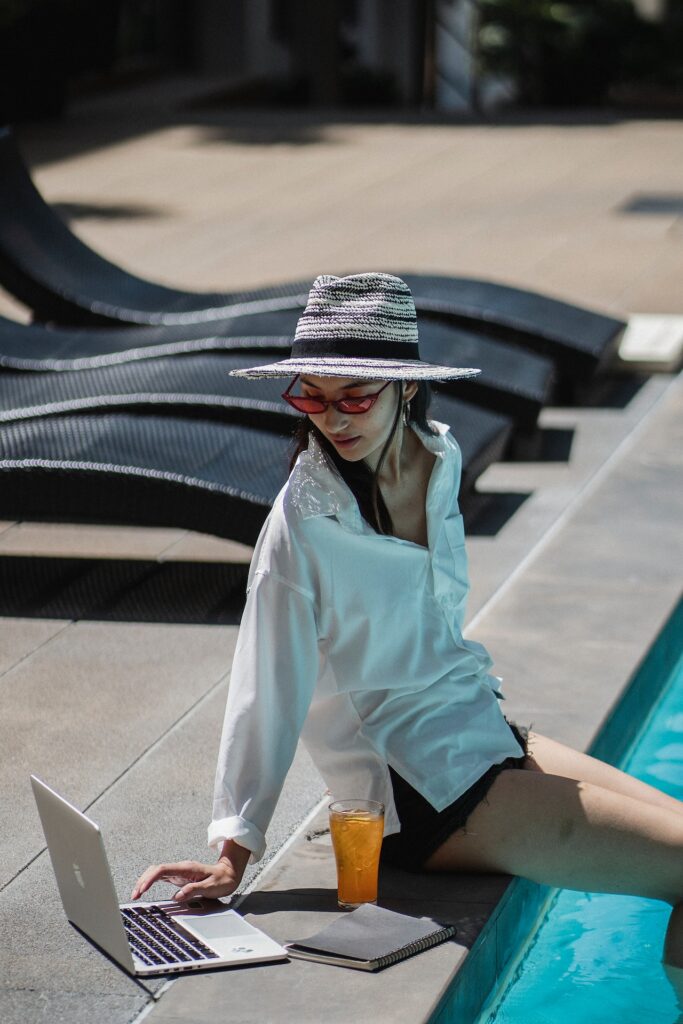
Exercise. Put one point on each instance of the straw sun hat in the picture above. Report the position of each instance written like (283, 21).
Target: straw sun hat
(361, 326)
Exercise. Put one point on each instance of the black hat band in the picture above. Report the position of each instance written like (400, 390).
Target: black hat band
(360, 348)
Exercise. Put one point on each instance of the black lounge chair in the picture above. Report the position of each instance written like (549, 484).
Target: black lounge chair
(580, 340)
(198, 384)
(144, 468)
(513, 382)
(61, 279)
(35, 347)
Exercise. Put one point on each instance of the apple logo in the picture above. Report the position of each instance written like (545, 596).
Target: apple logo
(79, 875)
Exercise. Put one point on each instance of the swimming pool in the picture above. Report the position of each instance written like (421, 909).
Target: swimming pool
(597, 958)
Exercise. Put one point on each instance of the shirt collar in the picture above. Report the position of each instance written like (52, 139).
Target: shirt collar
(317, 489)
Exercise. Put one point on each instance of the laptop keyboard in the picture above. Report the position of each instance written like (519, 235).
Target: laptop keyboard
(157, 939)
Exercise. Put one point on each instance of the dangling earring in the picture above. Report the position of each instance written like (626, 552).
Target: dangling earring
(406, 414)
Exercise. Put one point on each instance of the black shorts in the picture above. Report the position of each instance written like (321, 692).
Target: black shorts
(424, 829)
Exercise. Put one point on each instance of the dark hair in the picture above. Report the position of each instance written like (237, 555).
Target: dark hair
(362, 481)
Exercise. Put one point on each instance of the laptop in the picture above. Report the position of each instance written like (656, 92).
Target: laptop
(144, 938)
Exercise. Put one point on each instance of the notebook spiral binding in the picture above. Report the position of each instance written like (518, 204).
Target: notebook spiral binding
(416, 947)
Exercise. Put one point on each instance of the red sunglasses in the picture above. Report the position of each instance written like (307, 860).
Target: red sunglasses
(350, 406)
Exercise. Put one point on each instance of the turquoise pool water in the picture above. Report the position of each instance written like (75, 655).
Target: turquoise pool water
(596, 959)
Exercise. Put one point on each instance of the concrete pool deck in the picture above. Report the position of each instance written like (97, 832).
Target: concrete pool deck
(568, 592)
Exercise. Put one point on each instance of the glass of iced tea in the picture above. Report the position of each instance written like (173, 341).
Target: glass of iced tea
(356, 827)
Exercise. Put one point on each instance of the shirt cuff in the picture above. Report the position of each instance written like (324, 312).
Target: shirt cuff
(496, 684)
(242, 831)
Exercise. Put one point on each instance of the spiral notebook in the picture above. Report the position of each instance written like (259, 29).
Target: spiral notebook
(370, 938)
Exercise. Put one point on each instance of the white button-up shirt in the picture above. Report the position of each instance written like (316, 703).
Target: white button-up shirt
(353, 641)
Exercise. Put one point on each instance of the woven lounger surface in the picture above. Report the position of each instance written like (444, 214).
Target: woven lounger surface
(47, 267)
(35, 347)
(536, 320)
(165, 470)
(513, 382)
(198, 380)
(143, 470)
(201, 386)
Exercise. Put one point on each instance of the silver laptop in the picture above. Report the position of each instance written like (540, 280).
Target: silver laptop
(144, 938)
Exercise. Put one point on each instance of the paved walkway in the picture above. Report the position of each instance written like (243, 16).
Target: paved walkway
(124, 716)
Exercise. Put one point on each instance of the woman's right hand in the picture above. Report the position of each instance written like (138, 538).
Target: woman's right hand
(196, 879)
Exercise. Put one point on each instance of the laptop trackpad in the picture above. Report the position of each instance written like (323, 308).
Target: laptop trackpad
(218, 926)
(226, 932)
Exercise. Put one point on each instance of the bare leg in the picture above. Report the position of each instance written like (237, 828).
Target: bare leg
(575, 835)
(555, 758)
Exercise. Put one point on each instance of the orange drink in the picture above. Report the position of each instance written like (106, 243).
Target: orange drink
(356, 827)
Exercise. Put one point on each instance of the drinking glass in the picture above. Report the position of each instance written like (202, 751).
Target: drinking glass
(357, 827)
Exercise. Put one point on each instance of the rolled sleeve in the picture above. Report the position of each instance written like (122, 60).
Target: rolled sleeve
(242, 831)
(274, 673)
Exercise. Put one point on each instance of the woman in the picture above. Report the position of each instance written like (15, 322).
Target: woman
(352, 638)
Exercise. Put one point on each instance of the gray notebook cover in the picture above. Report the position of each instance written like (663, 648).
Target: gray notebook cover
(373, 933)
